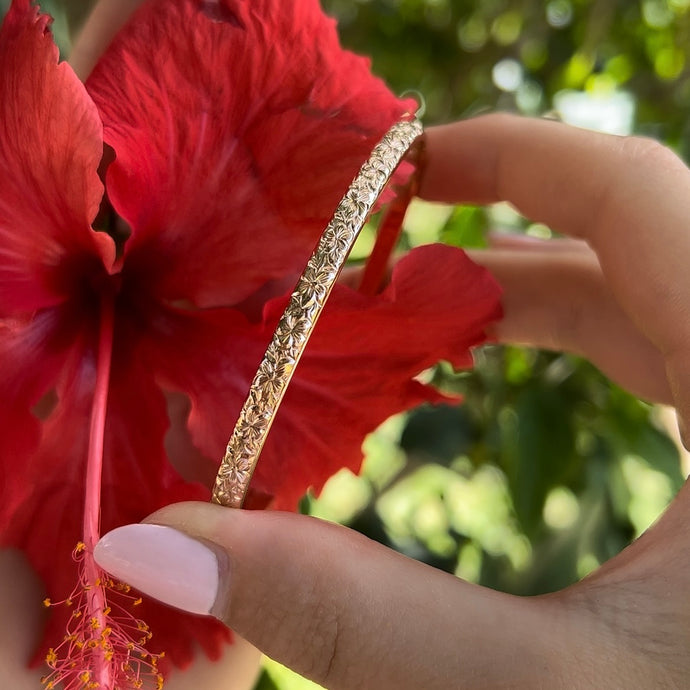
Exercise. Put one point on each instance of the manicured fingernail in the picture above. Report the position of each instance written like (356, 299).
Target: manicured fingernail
(162, 562)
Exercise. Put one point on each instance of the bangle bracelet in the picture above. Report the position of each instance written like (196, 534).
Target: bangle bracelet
(300, 316)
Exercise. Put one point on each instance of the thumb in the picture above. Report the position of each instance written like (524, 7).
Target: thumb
(323, 600)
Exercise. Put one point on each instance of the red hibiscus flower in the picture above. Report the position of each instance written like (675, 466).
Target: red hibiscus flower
(236, 126)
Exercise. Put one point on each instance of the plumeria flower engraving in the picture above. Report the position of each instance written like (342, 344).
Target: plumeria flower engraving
(152, 224)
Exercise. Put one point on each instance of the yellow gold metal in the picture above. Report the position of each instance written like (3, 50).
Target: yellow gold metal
(300, 316)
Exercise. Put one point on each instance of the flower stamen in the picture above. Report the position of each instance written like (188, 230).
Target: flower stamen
(119, 645)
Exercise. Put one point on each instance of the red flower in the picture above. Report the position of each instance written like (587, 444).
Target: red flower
(236, 127)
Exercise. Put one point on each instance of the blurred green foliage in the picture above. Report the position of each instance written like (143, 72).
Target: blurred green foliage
(548, 469)
(468, 56)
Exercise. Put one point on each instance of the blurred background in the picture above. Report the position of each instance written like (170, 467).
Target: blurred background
(547, 469)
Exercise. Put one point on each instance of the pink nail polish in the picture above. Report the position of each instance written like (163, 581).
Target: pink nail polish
(162, 562)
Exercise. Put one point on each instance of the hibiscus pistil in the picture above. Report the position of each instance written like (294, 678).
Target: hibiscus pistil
(103, 647)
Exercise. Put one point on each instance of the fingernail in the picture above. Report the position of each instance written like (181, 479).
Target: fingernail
(162, 562)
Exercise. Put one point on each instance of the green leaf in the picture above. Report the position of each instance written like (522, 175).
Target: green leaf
(442, 431)
(660, 453)
(466, 227)
(265, 682)
(543, 456)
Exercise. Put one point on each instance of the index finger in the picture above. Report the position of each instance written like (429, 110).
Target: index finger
(629, 198)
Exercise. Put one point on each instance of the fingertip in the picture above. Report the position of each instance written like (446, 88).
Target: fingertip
(165, 563)
(457, 164)
(464, 158)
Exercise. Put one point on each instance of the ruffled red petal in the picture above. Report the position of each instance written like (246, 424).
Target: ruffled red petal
(50, 148)
(237, 126)
(211, 356)
(359, 367)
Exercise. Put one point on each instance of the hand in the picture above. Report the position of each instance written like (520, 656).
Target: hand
(349, 613)
(605, 296)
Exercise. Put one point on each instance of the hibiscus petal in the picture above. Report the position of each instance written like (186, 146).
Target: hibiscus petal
(358, 369)
(31, 359)
(237, 126)
(50, 148)
(45, 513)
(211, 356)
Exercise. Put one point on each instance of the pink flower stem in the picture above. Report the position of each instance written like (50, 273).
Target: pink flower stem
(377, 268)
(94, 470)
(390, 227)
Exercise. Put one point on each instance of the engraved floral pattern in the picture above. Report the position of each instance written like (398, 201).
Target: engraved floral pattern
(303, 310)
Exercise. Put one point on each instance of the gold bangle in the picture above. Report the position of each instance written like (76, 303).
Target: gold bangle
(300, 316)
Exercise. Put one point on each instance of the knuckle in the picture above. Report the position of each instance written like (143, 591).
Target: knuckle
(569, 328)
(302, 629)
(329, 633)
(637, 160)
(576, 316)
(502, 119)
(647, 152)
(323, 638)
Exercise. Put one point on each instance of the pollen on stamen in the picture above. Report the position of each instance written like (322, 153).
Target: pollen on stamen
(101, 641)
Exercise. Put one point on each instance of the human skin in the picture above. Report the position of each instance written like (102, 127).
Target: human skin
(355, 615)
